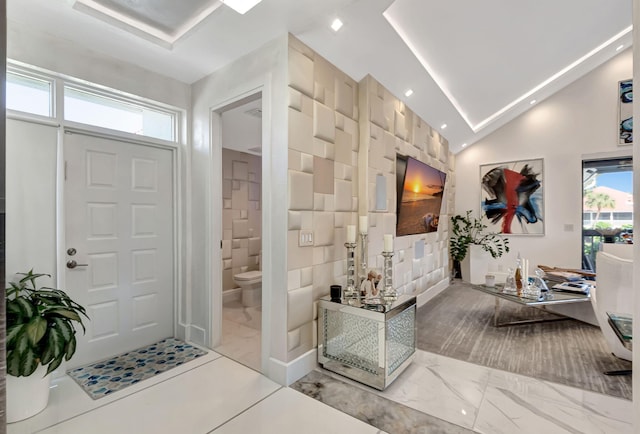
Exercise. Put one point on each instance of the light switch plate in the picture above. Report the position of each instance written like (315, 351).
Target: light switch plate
(306, 239)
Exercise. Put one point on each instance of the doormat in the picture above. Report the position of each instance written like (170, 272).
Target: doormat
(107, 376)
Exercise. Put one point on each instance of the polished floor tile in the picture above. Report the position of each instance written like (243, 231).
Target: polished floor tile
(290, 412)
(196, 401)
(241, 334)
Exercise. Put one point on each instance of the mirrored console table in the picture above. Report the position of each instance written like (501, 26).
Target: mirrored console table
(369, 343)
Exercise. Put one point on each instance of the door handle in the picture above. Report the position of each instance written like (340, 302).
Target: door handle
(73, 264)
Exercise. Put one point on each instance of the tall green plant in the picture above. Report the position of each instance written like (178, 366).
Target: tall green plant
(466, 230)
(39, 326)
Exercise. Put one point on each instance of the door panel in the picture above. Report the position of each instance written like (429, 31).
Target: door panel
(119, 218)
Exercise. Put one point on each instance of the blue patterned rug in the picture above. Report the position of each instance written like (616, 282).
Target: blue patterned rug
(107, 376)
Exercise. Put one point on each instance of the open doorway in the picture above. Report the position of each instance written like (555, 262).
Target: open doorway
(241, 257)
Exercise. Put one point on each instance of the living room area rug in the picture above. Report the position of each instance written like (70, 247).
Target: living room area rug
(458, 323)
(102, 378)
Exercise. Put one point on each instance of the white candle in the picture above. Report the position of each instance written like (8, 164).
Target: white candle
(363, 224)
(351, 233)
(388, 243)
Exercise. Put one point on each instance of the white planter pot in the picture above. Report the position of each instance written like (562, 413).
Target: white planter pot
(27, 396)
(475, 265)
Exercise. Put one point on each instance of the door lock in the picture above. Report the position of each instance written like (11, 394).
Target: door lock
(71, 251)
(73, 264)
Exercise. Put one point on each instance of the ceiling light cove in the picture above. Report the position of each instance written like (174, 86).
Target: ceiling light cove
(408, 92)
(241, 6)
(443, 126)
(336, 24)
(619, 47)
(533, 101)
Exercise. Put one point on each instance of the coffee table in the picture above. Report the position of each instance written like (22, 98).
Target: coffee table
(550, 297)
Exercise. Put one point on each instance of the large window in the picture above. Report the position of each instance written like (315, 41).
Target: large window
(607, 206)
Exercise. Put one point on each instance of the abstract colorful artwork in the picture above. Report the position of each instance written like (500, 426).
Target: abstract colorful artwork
(512, 197)
(625, 112)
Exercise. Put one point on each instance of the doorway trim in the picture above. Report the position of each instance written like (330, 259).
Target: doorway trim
(214, 218)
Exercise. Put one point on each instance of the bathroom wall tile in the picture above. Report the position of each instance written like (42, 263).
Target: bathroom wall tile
(295, 220)
(293, 280)
(300, 131)
(226, 189)
(240, 196)
(300, 307)
(300, 191)
(240, 229)
(323, 175)
(226, 204)
(324, 123)
(301, 75)
(240, 257)
(227, 234)
(306, 163)
(226, 264)
(343, 195)
(226, 249)
(255, 245)
(235, 244)
(306, 276)
(227, 280)
(240, 170)
(254, 191)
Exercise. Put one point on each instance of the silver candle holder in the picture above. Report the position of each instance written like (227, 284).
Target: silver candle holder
(351, 292)
(363, 256)
(388, 293)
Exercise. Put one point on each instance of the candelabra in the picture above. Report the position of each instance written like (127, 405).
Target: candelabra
(388, 293)
(351, 291)
(363, 256)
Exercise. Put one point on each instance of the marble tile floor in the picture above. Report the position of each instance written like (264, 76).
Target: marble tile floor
(214, 394)
(241, 334)
(479, 399)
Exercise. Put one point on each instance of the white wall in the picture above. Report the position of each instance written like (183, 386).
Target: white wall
(263, 69)
(579, 120)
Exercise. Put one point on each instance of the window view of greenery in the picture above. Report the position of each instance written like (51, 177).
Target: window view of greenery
(607, 206)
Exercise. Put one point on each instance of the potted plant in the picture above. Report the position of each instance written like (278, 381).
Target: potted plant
(468, 231)
(40, 335)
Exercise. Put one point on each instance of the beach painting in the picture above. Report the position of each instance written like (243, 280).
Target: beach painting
(420, 198)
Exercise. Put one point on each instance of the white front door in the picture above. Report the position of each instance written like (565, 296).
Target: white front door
(119, 231)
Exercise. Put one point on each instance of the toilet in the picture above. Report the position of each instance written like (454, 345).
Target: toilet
(251, 284)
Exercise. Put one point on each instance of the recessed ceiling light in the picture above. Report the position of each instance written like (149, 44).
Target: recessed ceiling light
(241, 6)
(443, 126)
(464, 145)
(408, 92)
(533, 101)
(336, 24)
(619, 47)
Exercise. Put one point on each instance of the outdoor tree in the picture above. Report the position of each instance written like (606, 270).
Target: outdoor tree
(598, 201)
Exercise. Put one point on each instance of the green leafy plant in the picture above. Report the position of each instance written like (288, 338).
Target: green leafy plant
(466, 230)
(39, 326)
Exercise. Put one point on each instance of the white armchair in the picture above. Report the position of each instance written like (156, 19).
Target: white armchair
(613, 293)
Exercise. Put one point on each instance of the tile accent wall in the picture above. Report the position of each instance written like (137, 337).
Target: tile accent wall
(241, 214)
(323, 185)
(388, 127)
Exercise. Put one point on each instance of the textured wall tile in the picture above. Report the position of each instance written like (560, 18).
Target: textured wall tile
(318, 201)
(306, 163)
(345, 97)
(324, 122)
(240, 170)
(306, 276)
(295, 99)
(300, 191)
(240, 257)
(300, 72)
(307, 220)
(226, 264)
(240, 229)
(255, 246)
(300, 303)
(298, 257)
(226, 249)
(318, 256)
(226, 189)
(293, 279)
(294, 160)
(254, 191)
(343, 195)
(300, 131)
(376, 113)
(343, 147)
(323, 175)
(323, 228)
(293, 339)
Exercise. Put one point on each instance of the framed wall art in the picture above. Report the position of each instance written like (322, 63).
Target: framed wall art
(512, 196)
(625, 112)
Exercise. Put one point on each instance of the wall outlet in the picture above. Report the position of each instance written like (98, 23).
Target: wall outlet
(306, 239)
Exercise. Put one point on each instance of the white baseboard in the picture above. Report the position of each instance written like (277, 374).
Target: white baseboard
(197, 335)
(231, 295)
(288, 373)
(436, 289)
(181, 332)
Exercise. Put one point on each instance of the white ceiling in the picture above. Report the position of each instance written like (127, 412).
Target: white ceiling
(472, 65)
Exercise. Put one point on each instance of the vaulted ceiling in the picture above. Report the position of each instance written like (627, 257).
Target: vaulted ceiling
(471, 65)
